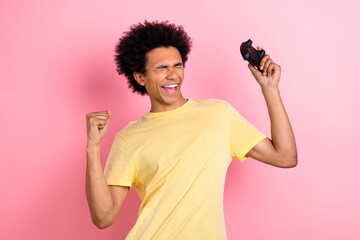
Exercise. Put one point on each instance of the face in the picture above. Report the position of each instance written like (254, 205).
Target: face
(163, 78)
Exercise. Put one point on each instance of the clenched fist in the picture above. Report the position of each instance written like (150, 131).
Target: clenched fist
(270, 77)
(97, 126)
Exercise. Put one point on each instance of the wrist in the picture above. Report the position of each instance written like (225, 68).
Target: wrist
(271, 96)
(270, 91)
(91, 146)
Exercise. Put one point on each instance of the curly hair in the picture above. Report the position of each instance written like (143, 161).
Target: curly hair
(131, 50)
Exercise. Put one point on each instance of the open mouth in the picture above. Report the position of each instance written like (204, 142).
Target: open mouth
(171, 89)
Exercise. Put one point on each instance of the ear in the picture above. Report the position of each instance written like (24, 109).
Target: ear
(139, 78)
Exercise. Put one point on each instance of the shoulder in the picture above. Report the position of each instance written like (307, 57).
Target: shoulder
(212, 102)
(214, 108)
(129, 129)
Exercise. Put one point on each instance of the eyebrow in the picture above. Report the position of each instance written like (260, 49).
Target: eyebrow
(176, 64)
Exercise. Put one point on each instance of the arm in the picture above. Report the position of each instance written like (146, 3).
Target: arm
(281, 150)
(104, 201)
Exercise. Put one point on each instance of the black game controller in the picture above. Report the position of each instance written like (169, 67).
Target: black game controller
(251, 55)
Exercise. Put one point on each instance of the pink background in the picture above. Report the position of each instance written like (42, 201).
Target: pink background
(56, 65)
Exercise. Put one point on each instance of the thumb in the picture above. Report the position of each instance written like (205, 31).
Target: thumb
(109, 113)
(105, 128)
(254, 71)
(107, 123)
(109, 118)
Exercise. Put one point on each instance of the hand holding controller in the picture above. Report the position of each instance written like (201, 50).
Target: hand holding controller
(251, 55)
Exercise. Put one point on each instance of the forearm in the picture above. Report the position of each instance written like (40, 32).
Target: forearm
(97, 191)
(281, 131)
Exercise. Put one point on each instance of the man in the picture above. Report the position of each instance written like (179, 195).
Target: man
(176, 156)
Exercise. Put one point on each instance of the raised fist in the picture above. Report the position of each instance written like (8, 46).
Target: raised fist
(97, 126)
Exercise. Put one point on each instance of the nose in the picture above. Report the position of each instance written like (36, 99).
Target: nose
(171, 73)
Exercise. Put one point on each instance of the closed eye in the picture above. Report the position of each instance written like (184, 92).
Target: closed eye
(161, 67)
(165, 67)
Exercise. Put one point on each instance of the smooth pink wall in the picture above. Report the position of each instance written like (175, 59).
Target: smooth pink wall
(56, 64)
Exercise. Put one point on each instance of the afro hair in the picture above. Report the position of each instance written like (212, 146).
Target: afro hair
(131, 50)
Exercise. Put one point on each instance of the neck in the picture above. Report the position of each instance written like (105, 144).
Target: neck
(167, 107)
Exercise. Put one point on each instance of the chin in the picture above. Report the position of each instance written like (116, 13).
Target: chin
(171, 100)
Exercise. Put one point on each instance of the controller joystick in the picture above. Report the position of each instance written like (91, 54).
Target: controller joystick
(251, 55)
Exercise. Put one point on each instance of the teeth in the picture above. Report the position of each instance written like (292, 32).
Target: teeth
(172, 85)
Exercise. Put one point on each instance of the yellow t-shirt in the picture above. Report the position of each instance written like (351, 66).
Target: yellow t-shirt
(177, 162)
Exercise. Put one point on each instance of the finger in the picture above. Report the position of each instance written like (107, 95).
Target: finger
(89, 115)
(101, 125)
(97, 114)
(104, 113)
(101, 116)
(96, 121)
(104, 118)
(108, 118)
(259, 48)
(107, 124)
(266, 66)
(271, 68)
(262, 62)
(275, 68)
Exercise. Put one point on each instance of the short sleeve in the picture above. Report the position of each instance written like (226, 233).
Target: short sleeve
(243, 135)
(120, 165)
